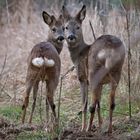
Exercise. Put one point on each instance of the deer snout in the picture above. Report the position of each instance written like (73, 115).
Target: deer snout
(60, 38)
(72, 38)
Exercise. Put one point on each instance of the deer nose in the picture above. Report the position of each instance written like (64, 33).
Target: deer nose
(60, 38)
(71, 37)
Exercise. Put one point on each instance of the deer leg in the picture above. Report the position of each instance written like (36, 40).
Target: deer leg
(26, 99)
(47, 109)
(50, 94)
(98, 107)
(95, 101)
(114, 82)
(99, 115)
(52, 105)
(112, 107)
(35, 89)
(84, 93)
(92, 112)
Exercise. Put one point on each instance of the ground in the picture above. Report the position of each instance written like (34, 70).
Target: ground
(123, 128)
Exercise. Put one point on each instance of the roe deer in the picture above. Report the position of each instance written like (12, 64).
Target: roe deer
(44, 65)
(99, 63)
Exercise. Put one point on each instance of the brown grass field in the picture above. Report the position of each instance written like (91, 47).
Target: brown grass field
(18, 38)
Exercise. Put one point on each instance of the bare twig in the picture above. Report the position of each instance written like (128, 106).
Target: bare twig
(60, 91)
(5, 92)
(129, 58)
(92, 30)
(3, 86)
(4, 63)
(129, 64)
(8, 15)
(59, 101)
(40, 104)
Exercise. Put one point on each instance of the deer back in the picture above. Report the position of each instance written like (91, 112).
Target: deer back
(106, 56)
(44, 50)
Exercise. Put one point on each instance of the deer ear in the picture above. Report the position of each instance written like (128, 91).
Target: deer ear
(65, 13)
(47, 18)
(82, 14)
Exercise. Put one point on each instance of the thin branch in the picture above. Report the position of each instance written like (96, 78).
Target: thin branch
(40, 104)
(8, 15)
(60, 91)
(129, 59)
(4, 63)
(92, 30)
(59, 101)
(129, 65)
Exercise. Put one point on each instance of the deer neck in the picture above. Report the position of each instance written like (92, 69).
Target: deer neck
(57, 45)
(78, 51)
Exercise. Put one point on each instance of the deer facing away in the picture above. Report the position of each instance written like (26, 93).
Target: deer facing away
(44, 65)
(98, 64)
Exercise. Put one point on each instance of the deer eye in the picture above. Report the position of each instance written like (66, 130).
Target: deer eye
(63, 28)
(54, 29)
(77, 27)
(66, 28)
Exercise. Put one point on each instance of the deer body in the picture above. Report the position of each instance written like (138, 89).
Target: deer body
(99, 63)
(105, 61)
(44, 65)
(79, 56)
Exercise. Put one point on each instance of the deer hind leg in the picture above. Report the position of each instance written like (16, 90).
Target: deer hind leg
(112, 107)
(47, 109)
(95, 103)
(52, 105)
(112, 103)
(98, 106)
(26, 99)
(35, 89)
(50, 94)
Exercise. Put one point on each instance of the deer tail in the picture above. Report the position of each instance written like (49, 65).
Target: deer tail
(40, 61)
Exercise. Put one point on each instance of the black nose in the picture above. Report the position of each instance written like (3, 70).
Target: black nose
(71, 37)
(60, 38)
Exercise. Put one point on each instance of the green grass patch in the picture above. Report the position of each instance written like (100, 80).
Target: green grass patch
(34, 135)
(11, 112)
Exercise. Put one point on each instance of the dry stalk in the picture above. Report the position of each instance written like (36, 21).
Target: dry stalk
(60, 91)
(40, 104)
(92, 30)
(8, 15)
(127, 14)
(3, 66)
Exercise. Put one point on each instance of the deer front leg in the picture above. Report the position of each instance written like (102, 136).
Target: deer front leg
(84, 94)
(83, 79)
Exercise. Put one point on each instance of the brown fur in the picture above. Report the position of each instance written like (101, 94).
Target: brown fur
(100, 74)
(100, 62)
(50, 75)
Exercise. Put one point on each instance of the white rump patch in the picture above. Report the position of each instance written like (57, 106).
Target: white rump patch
(102, 54)
(39, 62)
(49, 62)
(111, 56)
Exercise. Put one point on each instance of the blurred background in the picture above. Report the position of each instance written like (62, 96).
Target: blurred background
(22, 26)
